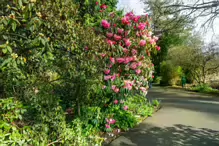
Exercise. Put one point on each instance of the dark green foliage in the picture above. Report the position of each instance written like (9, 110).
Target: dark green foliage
(171, 75)
(51, 86)
(204, 88)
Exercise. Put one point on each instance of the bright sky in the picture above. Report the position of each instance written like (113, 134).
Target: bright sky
(138, 7)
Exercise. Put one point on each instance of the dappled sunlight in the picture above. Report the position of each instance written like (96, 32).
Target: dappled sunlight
(176, 135)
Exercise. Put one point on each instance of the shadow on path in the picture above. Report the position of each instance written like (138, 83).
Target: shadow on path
(185, 100)
(186, 119)
(177, 135)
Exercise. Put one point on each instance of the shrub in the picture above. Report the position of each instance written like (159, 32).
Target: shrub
(59, 72)
(157, 79)
(170, 74)
(205, 88)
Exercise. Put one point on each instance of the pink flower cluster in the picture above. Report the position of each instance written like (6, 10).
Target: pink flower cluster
(128, 84)
(105, 24)
(109, 122)
(109, 77)
(115, 89)
(127, 63)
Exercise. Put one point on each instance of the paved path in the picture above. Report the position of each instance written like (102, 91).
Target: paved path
(186, 119)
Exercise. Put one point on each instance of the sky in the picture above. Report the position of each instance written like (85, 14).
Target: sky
(138, 7)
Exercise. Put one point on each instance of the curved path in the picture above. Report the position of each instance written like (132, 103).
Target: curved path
(186, 119)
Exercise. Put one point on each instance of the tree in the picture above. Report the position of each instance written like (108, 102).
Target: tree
(173, 29)
(196, 58)
(198, 8)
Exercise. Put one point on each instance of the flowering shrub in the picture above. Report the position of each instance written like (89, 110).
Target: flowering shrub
(127, 62)
(72, 82)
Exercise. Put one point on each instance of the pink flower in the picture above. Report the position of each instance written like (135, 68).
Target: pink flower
(142, 57)
(128, 84)
(136, 19)
(158, 48)
(113, 77)
(116, 101)
(139, 63)
(127, 60)
(117, 37)
(155, 38)
(97, 3)
(86, 48)
(149, 33)
(143, 89)
(112, 60)
(110, 42)
(149, 54)
(138, 34)
(107, 77)
(130, 15)
(107, 71)
(110, 121)
(133, 65)
(125, 107)
(134, 58)
(103, 55)
(126, 51)
(134, 52)
(109, 34)
(104, 87)
(125, 20)
(115, 89)
(152, 76)
(103, 6)
(137, 71)
(152, 41)
(120, 31)
(127, 42)
(142, 43)
(120, 60)
(141, 26)
(110, 66)
(105, 24)
(127, 33)
(107, 126)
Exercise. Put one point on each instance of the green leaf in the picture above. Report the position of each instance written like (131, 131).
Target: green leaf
(14, 25)
(9, 49)
(5, 50)
(20, 117)
(20, 3)
(5, 62)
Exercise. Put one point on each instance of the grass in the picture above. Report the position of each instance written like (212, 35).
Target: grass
(200, 89)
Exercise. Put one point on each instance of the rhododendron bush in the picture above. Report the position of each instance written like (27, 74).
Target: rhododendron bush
(71, 80)
(128, 65)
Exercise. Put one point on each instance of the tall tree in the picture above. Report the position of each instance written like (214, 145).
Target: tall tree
(173, 29)
(195, 57)
(198, 8)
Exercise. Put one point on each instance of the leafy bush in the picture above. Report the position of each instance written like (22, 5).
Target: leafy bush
(205, 88)
(60, 79)
(171, 75)
(156, 103)
(157, 79)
